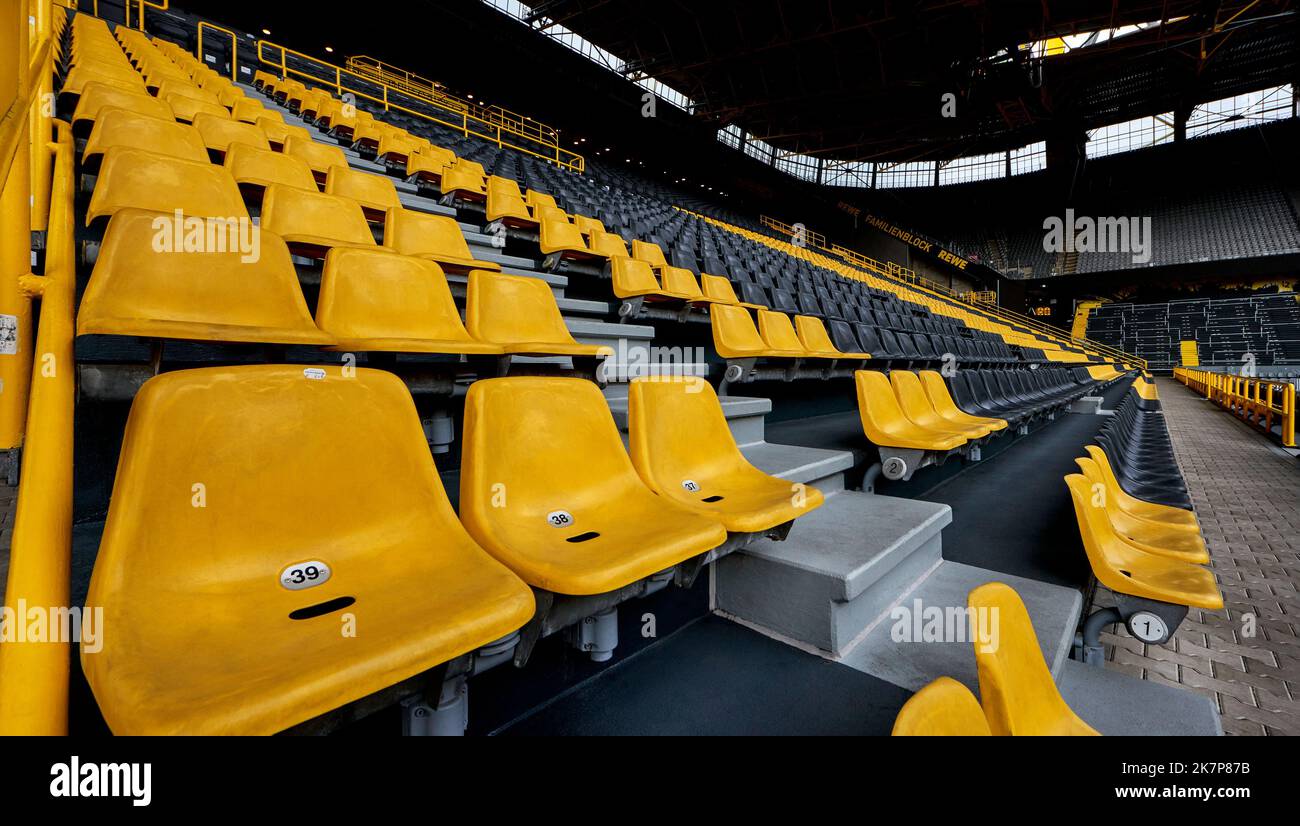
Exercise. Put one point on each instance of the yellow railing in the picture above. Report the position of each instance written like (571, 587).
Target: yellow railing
(234, 46)
(330, 76)
(1260, 402)
(433, 92)
(980, 297)
(34, 674)
(911, 278)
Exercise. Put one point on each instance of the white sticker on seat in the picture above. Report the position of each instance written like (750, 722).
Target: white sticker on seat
(315, 373)
(1148, 627)
(559, 519)
(687, 484)
(303, 575)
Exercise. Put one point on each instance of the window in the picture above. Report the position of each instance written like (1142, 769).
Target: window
(847, 173)
(1130, 135)
(973, 168)
(803, 167)
(1235, 112)
(1031, 158)
(913, 173)
(730, 136)
(755, 148)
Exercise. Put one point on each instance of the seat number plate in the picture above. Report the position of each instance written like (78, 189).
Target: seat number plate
(689, 485)
(1148, 627)
(303, 575)
(559, 519)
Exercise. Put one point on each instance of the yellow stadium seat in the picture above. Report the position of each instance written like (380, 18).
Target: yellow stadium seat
(814, 338)
(720, 290)
(200, 295)
(1138, 507)
(736, 337)
(539, 199)
(395, 147)
(436, 237)
(941, 400)
(508, 208)
(608, 244)
(189, 90)
(374, 299)
(679, 281)
(558, 236)
(130, 177)
(884, 422)
(464, 178)
(428, 163)
(1160, 538)
(649, 253)
(1017, 691)
(320, 157)
(519, 314)
(916, 405)
(321, 505)
(777, 330)
(260, 168)
(219, 133)
(944, 708)
(313, 222)
(587, 226)
(278, 133)
(186, 108)
(375, 193)
(1127, 570)
(95, 71)
(97, 96)
(548, 489)
(122, 127)
(631, 278)
(683, 448)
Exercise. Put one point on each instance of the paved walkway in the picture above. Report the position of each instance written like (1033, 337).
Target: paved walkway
(1247, 495)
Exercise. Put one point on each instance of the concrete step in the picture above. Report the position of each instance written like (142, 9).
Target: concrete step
(1117, 704)
(744, 415)
(842, 566)
(911, 664)
(822, 469)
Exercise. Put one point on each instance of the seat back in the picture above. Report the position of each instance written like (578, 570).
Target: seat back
(734, 333)
(607, 243)
(944, 708)
(262, 167)
(632, 277)
(418, 233)
(96, 96)
(130, 177)
(375, 294)
(681, 281)
(677, 430)
(649, 253)
(374, 192)
(219, 133)
(718, 288)
(135, 290)
(513, 309)
(289, 211)
(1016, 688)
(318, 156)
(116, 126)
(812, 332)
(778, 332)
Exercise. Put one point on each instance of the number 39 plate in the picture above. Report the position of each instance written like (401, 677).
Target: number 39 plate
(304, 575)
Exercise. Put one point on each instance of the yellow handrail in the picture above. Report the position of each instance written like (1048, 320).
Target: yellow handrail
(1255, 401)
(433, 92)
(234, 47)
(34, 674)
(343, 80)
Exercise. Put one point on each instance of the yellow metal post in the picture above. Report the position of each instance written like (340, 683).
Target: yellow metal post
(15, 232)
(34, 674)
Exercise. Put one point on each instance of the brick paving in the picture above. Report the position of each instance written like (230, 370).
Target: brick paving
(1246, 492)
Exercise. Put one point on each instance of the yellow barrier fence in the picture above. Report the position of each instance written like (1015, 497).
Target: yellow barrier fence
(322, 74)
(1261, 402)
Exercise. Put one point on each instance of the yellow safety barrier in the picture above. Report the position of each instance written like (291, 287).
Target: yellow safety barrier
(329, 76)
(34, 673)
(432, 92)
(234, 46)
(1261, 402)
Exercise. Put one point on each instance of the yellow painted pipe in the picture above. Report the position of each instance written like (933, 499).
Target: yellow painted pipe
(34, 674)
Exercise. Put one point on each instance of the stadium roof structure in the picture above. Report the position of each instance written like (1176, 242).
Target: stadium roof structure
(855, 81)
